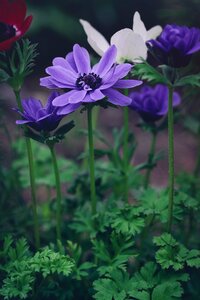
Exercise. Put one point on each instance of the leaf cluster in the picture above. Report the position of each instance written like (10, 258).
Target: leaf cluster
(21, 267)
(175, 255)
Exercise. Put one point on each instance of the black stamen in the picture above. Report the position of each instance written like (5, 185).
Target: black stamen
(6, 31)
(89, 81)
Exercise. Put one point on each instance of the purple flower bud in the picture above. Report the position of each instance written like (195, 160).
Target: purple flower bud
(152, 102)
(176, 44)
(42, 118)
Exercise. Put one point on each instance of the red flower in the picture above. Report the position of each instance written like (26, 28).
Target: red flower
(13, 22)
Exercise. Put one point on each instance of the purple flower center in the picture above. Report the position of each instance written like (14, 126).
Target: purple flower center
(6, 31)
(88, 82)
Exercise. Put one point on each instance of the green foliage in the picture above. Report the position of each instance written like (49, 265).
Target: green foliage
(128, 221)
(155, 202)
(148, 283)
(173, 254)
(43, 165)
(113, 253)
(146, 72)
(19, 64)
(20, 267)
(192, 80)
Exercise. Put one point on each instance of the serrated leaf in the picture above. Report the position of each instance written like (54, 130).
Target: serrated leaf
(193, 80)
(146, 72)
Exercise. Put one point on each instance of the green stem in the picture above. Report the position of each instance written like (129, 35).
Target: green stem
(32, 179)
(91, 161)
(197, 167)
(150, 159)
(170, 157)
(125, 152)
(58, 193)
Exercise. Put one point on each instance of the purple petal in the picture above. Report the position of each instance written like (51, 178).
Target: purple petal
(77, 96)
(106, 61)
(70, 59)
(49, 106)
(62, 75)
(21, 122)
(60, 61)
(96, 95)
(82, 59)
(194, 49)
(127, 83)
(31, 106)
(63, 99)
(117, 98)
(47, 82)
(68, 109)
(122, 70)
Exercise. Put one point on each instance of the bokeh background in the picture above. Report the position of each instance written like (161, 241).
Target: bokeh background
(56, 28)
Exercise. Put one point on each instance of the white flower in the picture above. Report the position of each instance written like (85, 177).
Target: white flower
(130, 43)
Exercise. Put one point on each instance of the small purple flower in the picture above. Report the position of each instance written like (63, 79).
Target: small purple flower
(152, 102)
(42, 118)
(175, 45)
(88, 84)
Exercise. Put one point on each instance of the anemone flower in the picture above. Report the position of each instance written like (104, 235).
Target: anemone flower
(88, 84)
(13, 22)
(130, 43)
(42, 118)
(152, 102)
(175, 45)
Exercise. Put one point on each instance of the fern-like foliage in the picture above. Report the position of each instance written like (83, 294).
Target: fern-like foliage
(149, 283)
(175, 255)
(20, 267)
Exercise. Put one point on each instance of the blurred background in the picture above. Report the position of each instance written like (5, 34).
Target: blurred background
(56, 28)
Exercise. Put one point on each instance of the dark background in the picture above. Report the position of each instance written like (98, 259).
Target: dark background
(56, 24)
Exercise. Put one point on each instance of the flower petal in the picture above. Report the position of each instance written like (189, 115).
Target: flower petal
(135, 46)
(127, 83)
(69, 108)
(105, 62)
(62, 75)
(95, 38)
(139, 27)
(63, 99)
(117, 98)
(77, 96)
(82, 59)
(154, 32)
(96, 95)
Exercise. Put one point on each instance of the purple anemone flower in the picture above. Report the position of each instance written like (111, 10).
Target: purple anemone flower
(152, 102)
(39, 117)
(175, 45)
(88, 84)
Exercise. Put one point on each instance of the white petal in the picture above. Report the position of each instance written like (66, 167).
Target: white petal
(154, 32)
(130, 46)
(138, 26)
(96, 40)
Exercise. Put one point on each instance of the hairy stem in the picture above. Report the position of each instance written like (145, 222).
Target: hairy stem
(58, 193)
(91, 161)
(150, 159)
(32, 179)
(170, 158)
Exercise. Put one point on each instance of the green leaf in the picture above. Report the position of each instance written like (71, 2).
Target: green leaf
(128, 221)
(146, 72)
(167, 291)
(193, 80)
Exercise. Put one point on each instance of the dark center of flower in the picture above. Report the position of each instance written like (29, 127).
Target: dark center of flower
(6, 31)
(88, 82)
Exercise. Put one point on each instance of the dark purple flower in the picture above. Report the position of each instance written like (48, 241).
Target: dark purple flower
(175, 45)
(152, 102)
(88, 84)
(42, 118)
